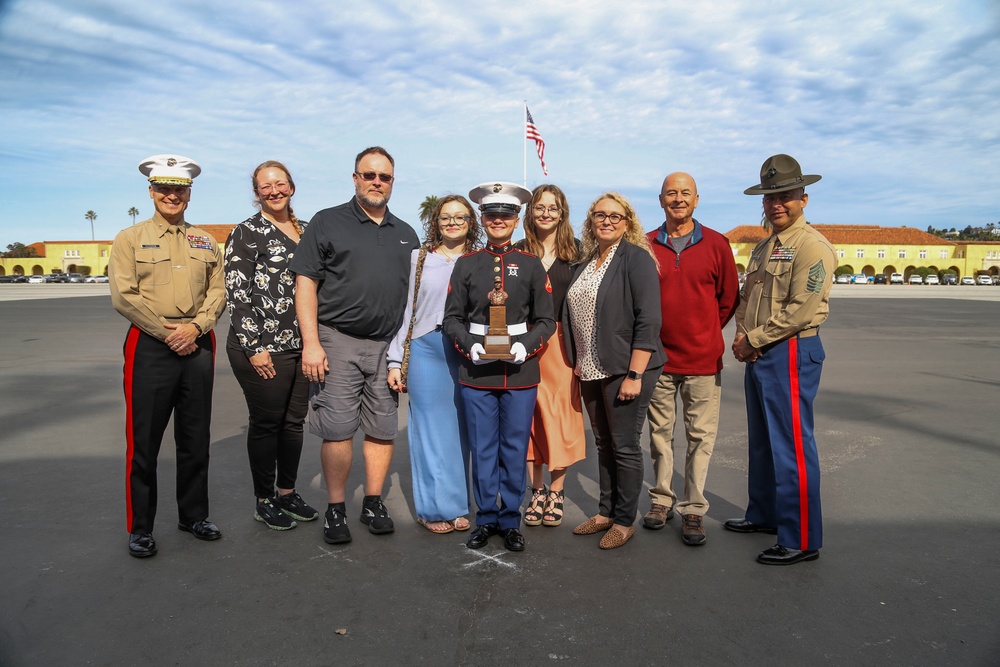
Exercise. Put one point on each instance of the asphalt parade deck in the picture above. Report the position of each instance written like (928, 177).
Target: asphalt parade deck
(909, 437)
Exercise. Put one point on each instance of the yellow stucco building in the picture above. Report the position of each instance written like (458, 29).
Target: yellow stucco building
(871, 250)
(867, 249)
(87, 257)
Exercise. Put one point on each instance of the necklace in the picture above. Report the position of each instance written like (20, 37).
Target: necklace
(448, 258)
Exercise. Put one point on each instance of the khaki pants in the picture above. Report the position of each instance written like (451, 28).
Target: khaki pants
(700, 397)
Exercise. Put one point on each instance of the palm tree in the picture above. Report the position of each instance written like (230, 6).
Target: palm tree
(90, 215)
(427, 207)
(133, 212)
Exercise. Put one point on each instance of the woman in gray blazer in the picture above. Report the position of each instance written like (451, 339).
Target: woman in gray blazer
(613, 312)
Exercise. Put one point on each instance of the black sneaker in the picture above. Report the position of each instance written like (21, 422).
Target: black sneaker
(293, 505)
(335, 530)
(269, 514)
(376, 516)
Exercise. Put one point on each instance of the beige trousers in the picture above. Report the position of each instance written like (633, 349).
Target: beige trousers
(700, 397)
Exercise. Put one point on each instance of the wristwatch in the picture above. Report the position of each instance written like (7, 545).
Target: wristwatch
(633, 375)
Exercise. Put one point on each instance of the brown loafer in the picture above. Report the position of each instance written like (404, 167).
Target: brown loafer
(614, 539)
(591, 526)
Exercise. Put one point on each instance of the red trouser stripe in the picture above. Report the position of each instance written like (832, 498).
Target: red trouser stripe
(130, 343)
(800, 455)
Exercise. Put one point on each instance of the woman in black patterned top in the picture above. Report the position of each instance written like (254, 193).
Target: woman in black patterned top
(265, 346)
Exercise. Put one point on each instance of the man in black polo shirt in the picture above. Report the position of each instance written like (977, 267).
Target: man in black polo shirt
(353, 264)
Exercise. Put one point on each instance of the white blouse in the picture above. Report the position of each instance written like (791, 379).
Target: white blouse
(430, 302)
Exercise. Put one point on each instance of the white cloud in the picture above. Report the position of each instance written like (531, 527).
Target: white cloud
(893, 103)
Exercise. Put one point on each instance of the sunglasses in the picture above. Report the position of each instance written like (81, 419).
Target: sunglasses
(371, 176)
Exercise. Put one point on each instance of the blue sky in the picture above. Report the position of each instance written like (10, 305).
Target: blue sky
(895, 103)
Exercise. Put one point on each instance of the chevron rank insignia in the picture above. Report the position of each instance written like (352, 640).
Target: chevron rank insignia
(817, 275)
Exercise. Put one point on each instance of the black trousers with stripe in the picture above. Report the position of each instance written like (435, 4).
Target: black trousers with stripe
(159, 383)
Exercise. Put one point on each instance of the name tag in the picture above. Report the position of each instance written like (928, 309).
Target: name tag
(150, 246)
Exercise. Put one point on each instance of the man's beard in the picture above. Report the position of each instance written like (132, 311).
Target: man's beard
(373, 202)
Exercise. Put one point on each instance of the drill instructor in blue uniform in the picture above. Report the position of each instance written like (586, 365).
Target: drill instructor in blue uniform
(166, 280)
(498, 396)
(783, 302)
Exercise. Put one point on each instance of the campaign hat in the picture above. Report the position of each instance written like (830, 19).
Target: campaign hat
(780, 173)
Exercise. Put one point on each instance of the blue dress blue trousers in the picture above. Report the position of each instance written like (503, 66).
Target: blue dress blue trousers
(498, 422)
(783, 477)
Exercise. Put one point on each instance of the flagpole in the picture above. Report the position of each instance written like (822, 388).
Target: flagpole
(524, 140)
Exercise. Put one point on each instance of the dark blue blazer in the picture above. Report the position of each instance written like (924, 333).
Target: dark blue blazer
(628, 311)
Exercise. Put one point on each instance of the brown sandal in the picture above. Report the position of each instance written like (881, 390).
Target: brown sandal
(553, 515)
(533, 515)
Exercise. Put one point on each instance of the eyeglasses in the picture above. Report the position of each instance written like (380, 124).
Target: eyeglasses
(453, 220)
(371, 175)
(601, 216)
(265, 190)
(540, 210)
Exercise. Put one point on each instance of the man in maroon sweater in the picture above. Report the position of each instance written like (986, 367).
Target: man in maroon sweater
(699, 291)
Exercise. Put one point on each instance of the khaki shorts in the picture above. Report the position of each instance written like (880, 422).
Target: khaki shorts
(355, 392)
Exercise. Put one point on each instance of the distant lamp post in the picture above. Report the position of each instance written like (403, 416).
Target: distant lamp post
(133, 212)
(90, 215)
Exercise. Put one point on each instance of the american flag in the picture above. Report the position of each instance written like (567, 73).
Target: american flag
(536, 136)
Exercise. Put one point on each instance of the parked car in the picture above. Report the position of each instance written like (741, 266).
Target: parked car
(915, 279)
(13, 278)
(984, 279)
(95, 279)
(881, 279)
(896, 279)
(996, 279)
(859, 279)
(37, 280)
(968, 280)
(844, 279)
(932, 279)
(74, 277)
(949, 279)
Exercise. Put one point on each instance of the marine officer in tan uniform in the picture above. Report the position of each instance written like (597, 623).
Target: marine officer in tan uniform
(167, 280)
(783, 302)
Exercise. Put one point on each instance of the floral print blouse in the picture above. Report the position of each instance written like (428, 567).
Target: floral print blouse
(260, 289)
(581, 299)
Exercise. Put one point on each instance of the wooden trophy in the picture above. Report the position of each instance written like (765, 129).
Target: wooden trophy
(497, 340)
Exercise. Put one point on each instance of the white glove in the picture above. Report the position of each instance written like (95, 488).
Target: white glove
(474, 353)
(520, 354)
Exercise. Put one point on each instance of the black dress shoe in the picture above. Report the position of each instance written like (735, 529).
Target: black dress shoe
(744, 526)
(481, 535)
(141, 545)
(779, 555)
(203, 530)
(513, 539)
